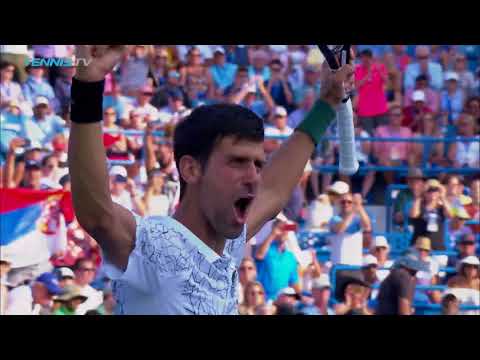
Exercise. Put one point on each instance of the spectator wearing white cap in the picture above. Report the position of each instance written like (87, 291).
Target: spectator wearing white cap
(123, 190)
(36, 86)
(413, 114)
(466, 284)
(321, 291)
(452, 98)
(66, 277)
(432, 97)
(423, 65)
(44, 125)
(370, 274)
(279, 127)
(380, 249)
(259, 60)
(335, 192)
(223, 72)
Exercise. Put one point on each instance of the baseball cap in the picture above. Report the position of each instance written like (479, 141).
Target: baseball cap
(465, 200)
(51, 283)
(220, 50)
(411, 260)
(65, 272)
(470, 260)
(415, 173)
(369, 260)
(418, 95)
(380, 241)
(118, 170)
(73, 292)
(280, 111)
(32, 165)
(321, 282)
(451, 75)
(289, 291)
(423, 243)
(41, 100)
(433, 184)
(461, 213)
(339, 187)
(466, 238)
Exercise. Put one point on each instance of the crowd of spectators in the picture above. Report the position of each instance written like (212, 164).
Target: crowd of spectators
(401, 92)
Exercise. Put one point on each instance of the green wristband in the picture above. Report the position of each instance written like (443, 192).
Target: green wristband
(317, 121)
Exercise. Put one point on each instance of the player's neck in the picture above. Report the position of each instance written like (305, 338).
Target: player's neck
(190, 216)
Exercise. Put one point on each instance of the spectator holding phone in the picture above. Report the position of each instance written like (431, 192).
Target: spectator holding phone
(428, 214)
(277, 267)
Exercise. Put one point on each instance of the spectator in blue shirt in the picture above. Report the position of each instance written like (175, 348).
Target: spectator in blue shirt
(236, 54)
(63, 84)
(12, 125)
(223, 72)
(44, 125)
(277, 267)
(424, 66)
(452, 98)
(36, 85)
(259, 65)
(121, 104)
(279, 87)
(311, 82)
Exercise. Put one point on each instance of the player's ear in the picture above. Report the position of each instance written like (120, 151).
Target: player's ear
(190, 169)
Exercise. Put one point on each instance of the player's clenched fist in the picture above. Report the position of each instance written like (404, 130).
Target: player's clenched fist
(101, 59)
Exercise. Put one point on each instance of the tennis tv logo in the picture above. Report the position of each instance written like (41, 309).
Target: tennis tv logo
(59, 62)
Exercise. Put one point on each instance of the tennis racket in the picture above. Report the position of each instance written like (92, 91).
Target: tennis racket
(337, 56)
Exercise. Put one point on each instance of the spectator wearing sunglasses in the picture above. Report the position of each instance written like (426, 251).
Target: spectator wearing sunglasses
(247, 272)
(424, 65)
(143, 106)
(347, 243)
(85, 272)
(254, 295)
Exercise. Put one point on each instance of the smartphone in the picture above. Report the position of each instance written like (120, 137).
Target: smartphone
(289, 227)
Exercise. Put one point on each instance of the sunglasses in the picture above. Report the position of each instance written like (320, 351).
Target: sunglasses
(9, 70)
(109, 113)
(147, 94)
(422, 57)
(346, 202)
(87, 270)
(275, 69)
(260, 292)
(244, 268)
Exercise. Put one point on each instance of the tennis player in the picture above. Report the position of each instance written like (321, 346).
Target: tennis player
(187, 263)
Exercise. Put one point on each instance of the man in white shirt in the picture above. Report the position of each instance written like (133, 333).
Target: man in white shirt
(143, 106)
(34, 299)
(85, 271)
(187, 264)
(347, 243)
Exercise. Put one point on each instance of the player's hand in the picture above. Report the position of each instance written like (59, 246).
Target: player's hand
(335, 84)
(277, 230)
(103, 59)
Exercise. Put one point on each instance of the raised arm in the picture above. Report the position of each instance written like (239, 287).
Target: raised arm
(283, 172)
(111, 225)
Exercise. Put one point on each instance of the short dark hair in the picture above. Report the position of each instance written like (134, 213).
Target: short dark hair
(5, 64)
(421, 77)
(81, 260)
(276, 62)
(242, 69)
(199, 132)
(448, 299)
(367, 53)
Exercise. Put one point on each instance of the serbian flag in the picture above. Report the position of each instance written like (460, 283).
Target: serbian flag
(33, 224)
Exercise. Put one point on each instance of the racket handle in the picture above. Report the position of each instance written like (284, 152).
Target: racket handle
(348, 157)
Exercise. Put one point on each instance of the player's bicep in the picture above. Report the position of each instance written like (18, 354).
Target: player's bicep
(263, 209)
(118, 238)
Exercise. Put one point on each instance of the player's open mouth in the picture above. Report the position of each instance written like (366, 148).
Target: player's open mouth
(241, 207)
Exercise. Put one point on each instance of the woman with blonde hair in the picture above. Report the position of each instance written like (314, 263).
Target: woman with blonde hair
(254, 295)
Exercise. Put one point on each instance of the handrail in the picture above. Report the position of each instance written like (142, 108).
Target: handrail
(435, 170)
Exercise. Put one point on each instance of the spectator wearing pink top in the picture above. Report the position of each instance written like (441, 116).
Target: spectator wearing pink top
(371, 79)
(432, 97)
(392, 153)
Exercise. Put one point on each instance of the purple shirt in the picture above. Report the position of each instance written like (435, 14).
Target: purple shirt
(49, 51)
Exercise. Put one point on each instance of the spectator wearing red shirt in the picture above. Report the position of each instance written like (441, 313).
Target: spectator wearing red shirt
(413, 113)
(432, 97)
(371, 79)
